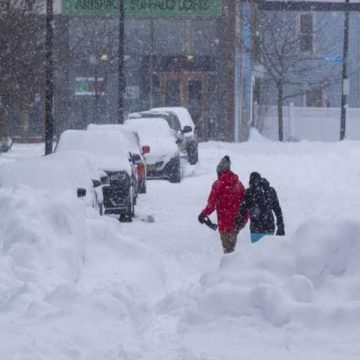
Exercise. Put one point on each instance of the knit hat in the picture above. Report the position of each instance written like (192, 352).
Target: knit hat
(255, 178)
(224, 165)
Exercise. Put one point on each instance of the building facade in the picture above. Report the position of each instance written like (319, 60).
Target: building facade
(177, 53)
(320, 37)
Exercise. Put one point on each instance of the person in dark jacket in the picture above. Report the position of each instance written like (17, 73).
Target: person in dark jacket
(226, 195)
(260, 204)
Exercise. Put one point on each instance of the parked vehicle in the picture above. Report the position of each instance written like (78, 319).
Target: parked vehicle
(70, 173)
(137, 151)
(109, 152)
(5, 144)
(185, 120)
(163, 161)
(174, 124)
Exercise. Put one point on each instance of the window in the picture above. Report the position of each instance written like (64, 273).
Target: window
(4, 5)
(306, 32)
(172, 93)
(29, 5)
(314, 98)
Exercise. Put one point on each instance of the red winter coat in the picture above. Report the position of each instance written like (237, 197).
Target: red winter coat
(226, 195)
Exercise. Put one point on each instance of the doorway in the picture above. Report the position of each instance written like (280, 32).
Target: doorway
(189, 91)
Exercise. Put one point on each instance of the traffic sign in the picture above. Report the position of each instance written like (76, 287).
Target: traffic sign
(333, 59)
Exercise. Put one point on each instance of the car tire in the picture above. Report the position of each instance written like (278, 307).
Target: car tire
(175, 172)
(130, 211)
(125, 218)
(101, 209)
(193, 155)
(142, 187)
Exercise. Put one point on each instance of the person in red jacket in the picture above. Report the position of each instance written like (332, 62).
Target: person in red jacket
(226, 196)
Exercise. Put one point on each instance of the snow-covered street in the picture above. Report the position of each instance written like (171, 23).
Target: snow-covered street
(74, 285)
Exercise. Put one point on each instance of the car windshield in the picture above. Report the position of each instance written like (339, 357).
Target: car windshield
(171, 118)
(131, 136)
(146, 128)
(181, 113)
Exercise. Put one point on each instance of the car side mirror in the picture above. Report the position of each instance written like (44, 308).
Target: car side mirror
(136, 158)
(81, 192)
(186, 129)
(96, 183)
(105, 180)
(145, 149)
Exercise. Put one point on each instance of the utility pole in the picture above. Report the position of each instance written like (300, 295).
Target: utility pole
(49, 81)
(121, 81)
(237, 72)
(151, 64)
(345, 80)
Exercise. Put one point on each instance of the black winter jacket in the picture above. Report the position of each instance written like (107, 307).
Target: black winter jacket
(260, 203)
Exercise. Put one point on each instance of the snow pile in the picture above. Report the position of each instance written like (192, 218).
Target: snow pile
(284, 281)
(58, 172)
(22, 151)
(71, 284)
(255, 136)
(74, 285)
(42, 241)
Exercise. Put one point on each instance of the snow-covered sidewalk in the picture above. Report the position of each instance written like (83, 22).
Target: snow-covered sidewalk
(74, 285)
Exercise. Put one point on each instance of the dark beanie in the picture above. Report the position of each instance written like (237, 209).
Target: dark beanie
(255, 177)
(224, 165)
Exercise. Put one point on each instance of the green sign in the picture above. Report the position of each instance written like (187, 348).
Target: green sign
(143, 8)
(89, 86)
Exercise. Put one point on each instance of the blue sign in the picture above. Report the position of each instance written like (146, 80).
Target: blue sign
(333, 59)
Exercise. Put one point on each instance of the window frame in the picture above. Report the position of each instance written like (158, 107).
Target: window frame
(306, 35)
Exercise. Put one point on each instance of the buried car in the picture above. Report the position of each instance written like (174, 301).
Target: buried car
(174, 125)
(72, 174)
(163, 160)
(109, 152)
(137, 152)
(186, 122)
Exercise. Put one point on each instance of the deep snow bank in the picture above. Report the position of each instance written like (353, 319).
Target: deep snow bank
(164, 290)
(68, 277)
(42, 239)
(286, 280)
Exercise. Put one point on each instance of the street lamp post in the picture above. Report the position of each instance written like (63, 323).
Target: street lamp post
(121, 80)
(345, 80)
(95, 62)
(49, 81)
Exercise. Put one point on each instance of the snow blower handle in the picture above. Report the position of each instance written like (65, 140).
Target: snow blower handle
(209, 223)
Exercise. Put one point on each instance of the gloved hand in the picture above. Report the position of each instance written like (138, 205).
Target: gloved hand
(280, 231)
(201, 218)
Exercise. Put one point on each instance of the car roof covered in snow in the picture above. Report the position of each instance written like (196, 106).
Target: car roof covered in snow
(109, 149)
(131, 135)
(181, 112)
(146, 127)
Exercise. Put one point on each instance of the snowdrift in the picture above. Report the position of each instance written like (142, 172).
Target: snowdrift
(74, 285)
(284, 280)
(67, 277)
